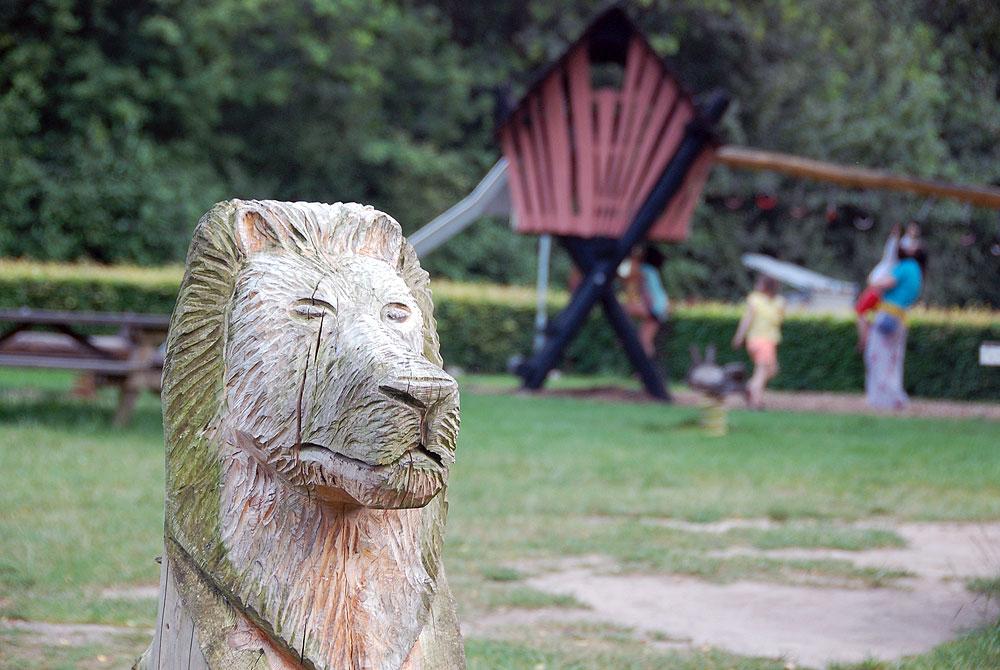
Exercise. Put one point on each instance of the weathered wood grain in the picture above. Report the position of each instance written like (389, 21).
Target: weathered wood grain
(309, 432)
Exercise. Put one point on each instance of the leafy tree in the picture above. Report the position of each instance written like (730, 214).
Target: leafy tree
(121, 122)
(102, 120)
(349, 100)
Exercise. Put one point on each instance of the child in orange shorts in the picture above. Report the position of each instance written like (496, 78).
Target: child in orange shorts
(760, 328)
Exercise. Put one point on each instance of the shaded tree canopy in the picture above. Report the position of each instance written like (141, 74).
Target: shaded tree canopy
(121, 122)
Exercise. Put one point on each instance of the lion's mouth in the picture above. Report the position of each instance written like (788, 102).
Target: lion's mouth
(420, 454)
(411, 480)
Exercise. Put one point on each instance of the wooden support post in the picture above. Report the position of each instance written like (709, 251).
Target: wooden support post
(586, 254)
(714, 417)
(138, 379)
(853, 177)
(542, 291)
(127, 396)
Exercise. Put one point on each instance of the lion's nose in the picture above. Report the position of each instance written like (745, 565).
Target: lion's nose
(420, 392)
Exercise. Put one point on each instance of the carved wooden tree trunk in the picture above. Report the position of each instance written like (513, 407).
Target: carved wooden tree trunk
(309, 431)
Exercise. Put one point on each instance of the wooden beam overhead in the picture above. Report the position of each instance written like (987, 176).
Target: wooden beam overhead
(853, 177)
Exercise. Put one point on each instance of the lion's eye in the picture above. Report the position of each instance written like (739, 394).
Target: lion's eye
(312, 308)
(396, 312)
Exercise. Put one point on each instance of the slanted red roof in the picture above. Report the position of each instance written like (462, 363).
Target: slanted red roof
(584, 150)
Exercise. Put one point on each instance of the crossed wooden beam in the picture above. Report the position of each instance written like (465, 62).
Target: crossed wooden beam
(598, 260)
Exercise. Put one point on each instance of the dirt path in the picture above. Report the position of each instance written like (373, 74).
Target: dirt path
(38, 644)
(808, 625)
(933, 551)
(801, 401)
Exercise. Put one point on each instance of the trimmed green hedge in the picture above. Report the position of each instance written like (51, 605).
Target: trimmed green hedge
(119, 288)
(818, 353)
(482, 326)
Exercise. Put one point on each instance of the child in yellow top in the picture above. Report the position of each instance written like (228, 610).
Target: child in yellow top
(760, 327)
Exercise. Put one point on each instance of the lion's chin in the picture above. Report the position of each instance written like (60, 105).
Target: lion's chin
(411, 481)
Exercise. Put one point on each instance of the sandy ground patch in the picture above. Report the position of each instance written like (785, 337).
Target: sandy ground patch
(806, 624)
(848, 403)
(36, 644)
(811, 626)
(488, 625)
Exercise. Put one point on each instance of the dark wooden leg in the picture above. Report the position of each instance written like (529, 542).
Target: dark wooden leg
(85, 386)
(127, 396)
(139, 380)
(565, 328)
(625, 331)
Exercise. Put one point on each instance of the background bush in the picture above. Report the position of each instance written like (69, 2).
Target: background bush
(482, 326)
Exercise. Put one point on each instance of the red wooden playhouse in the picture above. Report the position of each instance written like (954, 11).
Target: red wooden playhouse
(605, 150)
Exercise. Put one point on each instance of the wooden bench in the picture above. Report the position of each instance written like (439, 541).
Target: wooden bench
(131, 359)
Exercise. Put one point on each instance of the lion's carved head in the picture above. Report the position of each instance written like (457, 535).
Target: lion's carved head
(325, 368)
(305, 407)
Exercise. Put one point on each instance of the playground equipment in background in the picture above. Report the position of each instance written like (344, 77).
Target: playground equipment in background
(604, 151)
(491, 197)
(607, 150)
(715, 382)
(588, 141)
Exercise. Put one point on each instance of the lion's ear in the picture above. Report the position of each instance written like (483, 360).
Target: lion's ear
(254, 230)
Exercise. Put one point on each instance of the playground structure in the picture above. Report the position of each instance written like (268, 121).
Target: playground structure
(607, 150)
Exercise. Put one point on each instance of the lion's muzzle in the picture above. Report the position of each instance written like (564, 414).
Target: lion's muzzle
(433, 396)
(406, 425)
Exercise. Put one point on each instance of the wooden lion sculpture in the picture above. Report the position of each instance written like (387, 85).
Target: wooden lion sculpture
(309, 432)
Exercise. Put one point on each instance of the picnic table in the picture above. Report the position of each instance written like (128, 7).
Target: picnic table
(130, 359)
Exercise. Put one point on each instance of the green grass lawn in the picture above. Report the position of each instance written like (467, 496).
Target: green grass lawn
(537, 478)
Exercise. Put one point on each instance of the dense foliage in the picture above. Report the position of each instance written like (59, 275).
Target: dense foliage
(483, 326)
(120, 122)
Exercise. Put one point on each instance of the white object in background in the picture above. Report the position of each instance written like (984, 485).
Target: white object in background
(796, 276)
(821, 293)
(989, 354)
